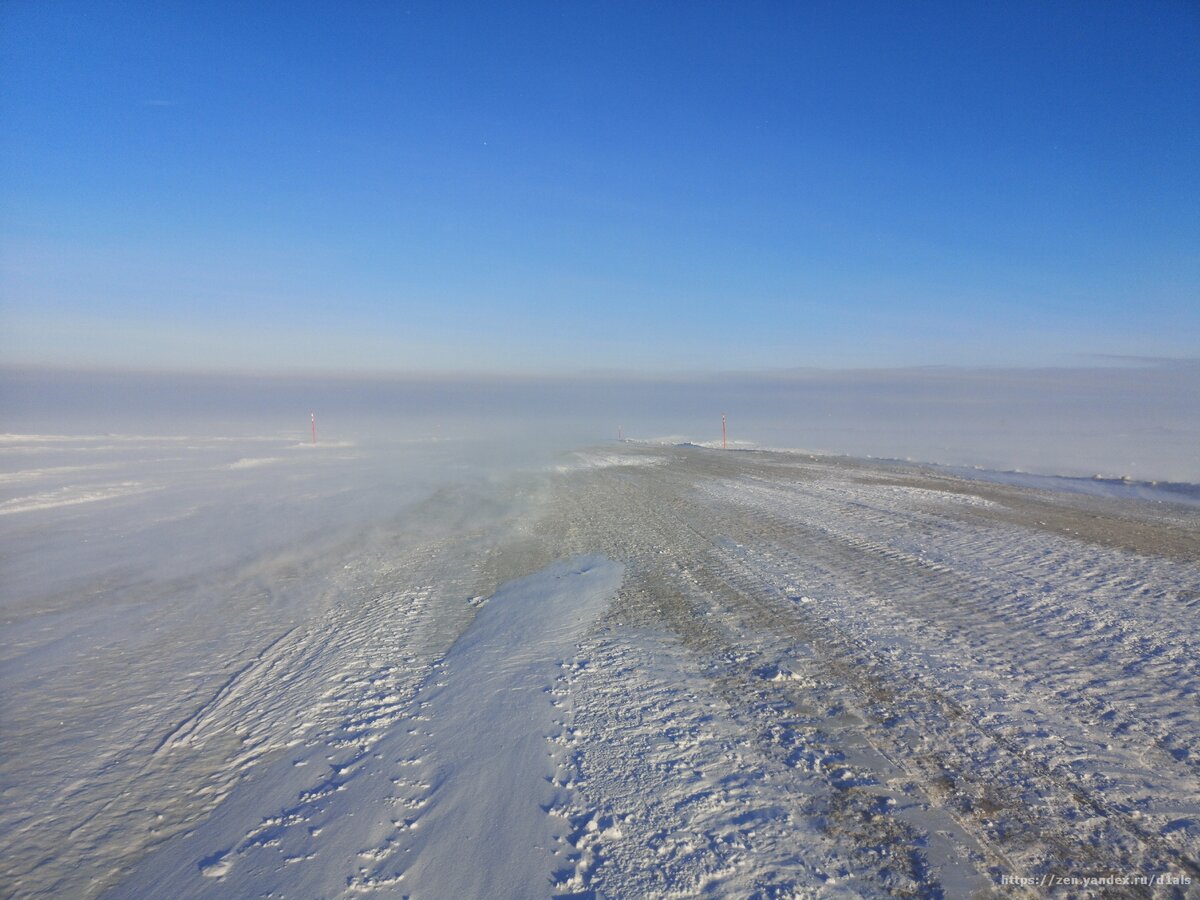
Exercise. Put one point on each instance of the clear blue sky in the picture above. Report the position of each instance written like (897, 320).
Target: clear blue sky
(558, 186)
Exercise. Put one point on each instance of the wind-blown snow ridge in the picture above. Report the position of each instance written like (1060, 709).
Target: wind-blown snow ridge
(489, 715)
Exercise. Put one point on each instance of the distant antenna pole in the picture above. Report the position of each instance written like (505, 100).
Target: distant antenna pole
(724, 442)
(314, 426)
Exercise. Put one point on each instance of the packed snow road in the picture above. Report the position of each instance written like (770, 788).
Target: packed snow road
(825, 674)
(669, 671)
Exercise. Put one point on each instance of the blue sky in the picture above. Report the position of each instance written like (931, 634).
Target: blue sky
(565, 186)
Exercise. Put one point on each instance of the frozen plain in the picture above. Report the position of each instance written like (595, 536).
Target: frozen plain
(250, 667)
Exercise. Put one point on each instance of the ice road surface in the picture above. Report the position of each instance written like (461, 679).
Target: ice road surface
(245, 668)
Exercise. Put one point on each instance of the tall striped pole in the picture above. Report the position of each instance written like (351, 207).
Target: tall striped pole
(314, 426)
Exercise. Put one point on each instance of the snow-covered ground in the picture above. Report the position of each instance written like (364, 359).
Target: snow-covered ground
(248, 667)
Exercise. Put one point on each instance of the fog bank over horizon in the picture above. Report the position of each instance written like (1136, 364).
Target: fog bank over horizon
(1136, 421)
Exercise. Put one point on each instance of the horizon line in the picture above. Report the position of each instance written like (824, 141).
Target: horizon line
(1100, 361)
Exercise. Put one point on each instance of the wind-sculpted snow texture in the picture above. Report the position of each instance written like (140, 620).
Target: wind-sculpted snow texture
(675, 672)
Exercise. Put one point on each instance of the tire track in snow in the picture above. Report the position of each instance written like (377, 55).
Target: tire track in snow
(1067, 784)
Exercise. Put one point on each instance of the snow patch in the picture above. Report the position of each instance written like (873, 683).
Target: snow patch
(580, 461)
(322, 445)
(253, 462)
(71, 496)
